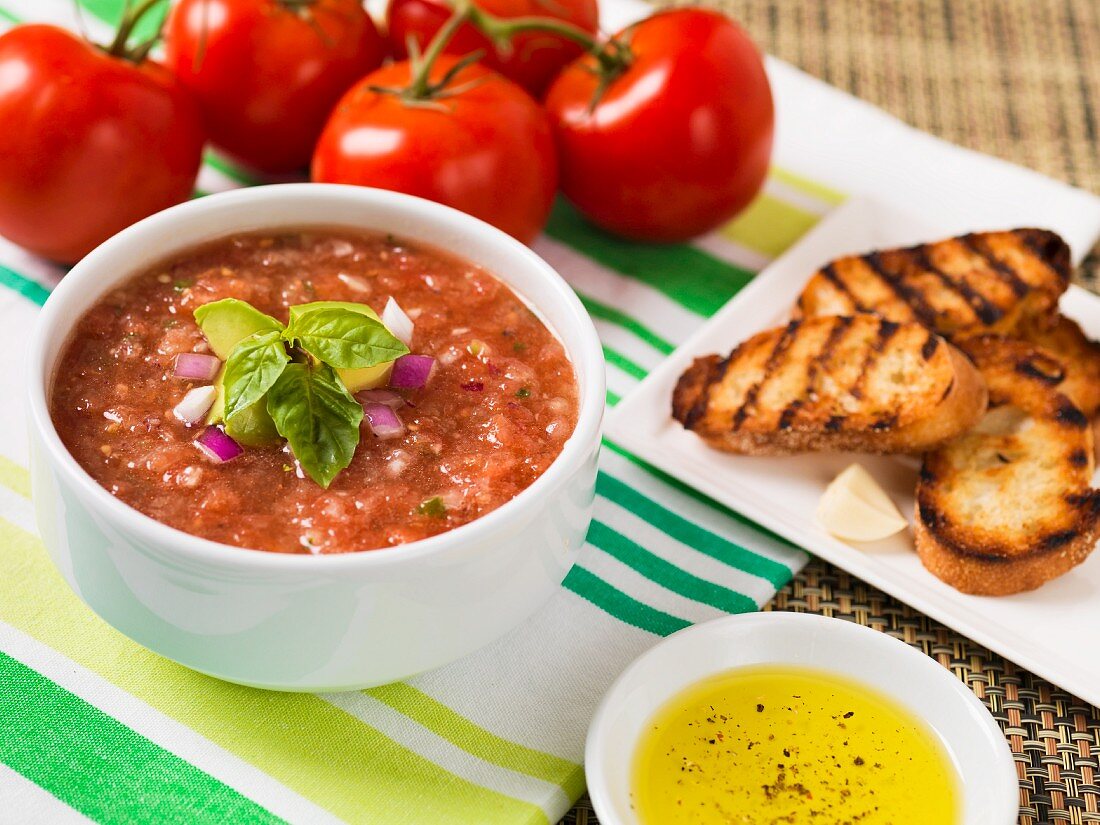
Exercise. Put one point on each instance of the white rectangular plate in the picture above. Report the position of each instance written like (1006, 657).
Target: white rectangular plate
(1050, 631)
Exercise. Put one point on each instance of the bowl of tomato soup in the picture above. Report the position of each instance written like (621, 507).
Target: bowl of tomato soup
(314, 437)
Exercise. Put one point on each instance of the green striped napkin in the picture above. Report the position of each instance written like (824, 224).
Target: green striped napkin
(93, 726)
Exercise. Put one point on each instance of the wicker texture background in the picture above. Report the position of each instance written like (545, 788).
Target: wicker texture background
(1019, 79)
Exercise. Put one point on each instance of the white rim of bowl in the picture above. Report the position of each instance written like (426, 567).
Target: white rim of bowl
(596, 744)
(581, 344)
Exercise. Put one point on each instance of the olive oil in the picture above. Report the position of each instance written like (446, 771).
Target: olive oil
(770, 744)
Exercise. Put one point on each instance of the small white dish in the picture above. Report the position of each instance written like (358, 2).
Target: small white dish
(314, 623)
(1049, 631)
(974, 742)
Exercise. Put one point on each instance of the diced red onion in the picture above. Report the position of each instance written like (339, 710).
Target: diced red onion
(196, 404)
(387, 397)
(411, 372)
(383, 421)
(397, 322)
(217, 446)
(195, 366)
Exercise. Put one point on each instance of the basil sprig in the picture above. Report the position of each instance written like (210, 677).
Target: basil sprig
(291, 370)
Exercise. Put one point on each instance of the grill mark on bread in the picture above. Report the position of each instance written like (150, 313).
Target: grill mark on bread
(1049, 248)
(931, 344)
(976, 243)
(840, 326)
(830, 274)
(1052, 541)
(905, 293)
(770, 367)
(715, 370)
(937, 523)
(1089, 500)
(1079, 458)
(950, 387)
(1068, 414)
(931, 515)
(987, 312)
(788, 414)
(884, 423)
(1044, 369)
(886, 331)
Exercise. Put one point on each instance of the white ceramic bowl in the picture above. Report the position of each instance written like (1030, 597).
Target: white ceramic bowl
(976, 745)
(313, 623)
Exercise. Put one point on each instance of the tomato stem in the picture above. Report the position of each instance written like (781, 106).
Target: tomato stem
(420, 87)
(613, 55)
(119, 46)
(501, 31)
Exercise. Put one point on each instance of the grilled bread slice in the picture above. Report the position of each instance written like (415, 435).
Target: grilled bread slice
(981, 282)
(832, 383)
(1009, 505)
(1078, 353)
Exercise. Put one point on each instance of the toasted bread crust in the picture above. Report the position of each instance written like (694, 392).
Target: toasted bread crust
(975, 283)
(856, 383)
(1009, 506)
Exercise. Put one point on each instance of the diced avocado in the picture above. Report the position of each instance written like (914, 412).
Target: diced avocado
(251, 427)
(227, 322)
(217, 409)
(366, 378)
(362, 309)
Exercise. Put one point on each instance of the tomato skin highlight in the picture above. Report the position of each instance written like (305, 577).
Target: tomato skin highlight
(266, 76)
(535, 58)
(486, 149)
(679, 142)
(89, 143)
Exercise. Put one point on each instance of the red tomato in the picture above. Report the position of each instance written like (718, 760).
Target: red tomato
(485, 147)
(679, 142)
(90, 143)
(534, 58)
(268, 72)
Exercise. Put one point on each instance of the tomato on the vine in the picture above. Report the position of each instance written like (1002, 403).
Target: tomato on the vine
(532, 60)
(470, 139)
(679, 137)
(268, 72)
(92, 141)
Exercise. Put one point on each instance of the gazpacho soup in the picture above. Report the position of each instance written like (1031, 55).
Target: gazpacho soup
(318, 391)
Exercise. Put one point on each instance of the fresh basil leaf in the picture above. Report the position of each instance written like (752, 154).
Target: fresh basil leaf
(253, 366)
(345, 339)
(301, 309)
(314, 412)
(227, 322)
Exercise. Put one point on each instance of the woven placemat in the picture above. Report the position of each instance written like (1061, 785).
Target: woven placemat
(1019, 79)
